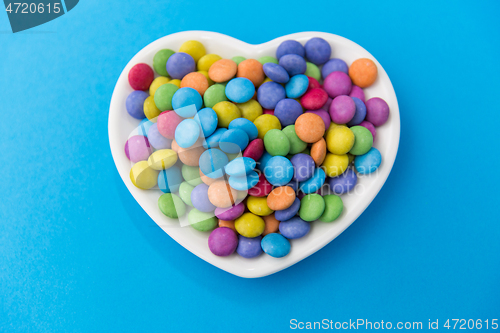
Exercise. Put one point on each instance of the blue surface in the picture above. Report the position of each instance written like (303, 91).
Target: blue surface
(78, 255)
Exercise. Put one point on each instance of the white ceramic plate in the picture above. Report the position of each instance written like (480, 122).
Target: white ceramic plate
(121, 125)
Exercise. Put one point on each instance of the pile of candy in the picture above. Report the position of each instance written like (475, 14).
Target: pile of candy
(256, 150)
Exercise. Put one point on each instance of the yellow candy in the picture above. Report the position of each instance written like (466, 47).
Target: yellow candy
(205, 73)
(335, 165)
(160, 80)
(332, 126)
(249, 225)
(226, 112)
(258, 206)
(150, 109)
(250, 110)
(207, 60)
(267, 80)
(142, 176)
(265, 123)
(175, 82)
(162, 159)
(339, 140)
(194, 48)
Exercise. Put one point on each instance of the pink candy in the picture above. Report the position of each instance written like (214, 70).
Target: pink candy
(254, 150)
(137, 148)
(337, 83)
(167, 123)
(342, 109)
(314, 99)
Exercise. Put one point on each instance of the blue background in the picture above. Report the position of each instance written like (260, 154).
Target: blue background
(77, 254)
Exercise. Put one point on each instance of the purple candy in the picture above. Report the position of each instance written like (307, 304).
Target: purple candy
(377, 111)
(269, 94)
(222, 241)
(287, 111)
(344, 182)
(294, 228)
(229, 214)
(359, 114)
(157, 140)
(324, 115)
(293, 184)
(334, 65)
(326, 107)
(293, 64)
(135, 103)
(249, 247)
(342, 109)
(357, 92)
(337, 83)
(370, 127)
(303, 166)
(286, 214)
(137, 148)
(199, 198)
(290, 47)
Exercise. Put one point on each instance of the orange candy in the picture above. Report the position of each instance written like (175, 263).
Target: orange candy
(281, 198)
(207, 180)
(221, 194)
(363, 72)
(318, 151)
(252, 70)
(309, 127)
(189, 156)
(195, 80)
(227, 224)
(222, 70)
(272, 225)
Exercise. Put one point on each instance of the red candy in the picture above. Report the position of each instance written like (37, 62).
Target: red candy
(314, 99)
(167, 122)
(262, 188)
(266, 111)
(254, 150)
(140, 77)
(313, 83)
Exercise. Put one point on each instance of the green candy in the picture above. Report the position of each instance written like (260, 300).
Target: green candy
(160, 61)
(171, 205)
(296, 145)
(213, 95)
(185, 193)
(363, 140)
(163, 96)
(333, 208)
(202, 221)
(191, 175)
(276, 143)
(312, 207)
(265, 59)
(238, 59)
(313, 71)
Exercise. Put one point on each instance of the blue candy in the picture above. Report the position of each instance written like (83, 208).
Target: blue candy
(245, 125)
(212, 163)
(207, 119)
(294, 185)
(170, 179)
(179, 65)
(186, 133)
(240, 90)
(275, 245)
(287, 111)
(290, 47)
(303, 166)
(186, 102)
(213, 140)
(157, 140)
(233, 141)
(269, 94)
(144, 127)
(244, 183)
(334, 65)
(369, 162)
(359, 114)
(293, 64)
(297, 86)
(199, 198)
(344, 182)
(286, 214)
(263, 161)
(278, 171)
(318, 51)
(135, 103)
(240, 166)
(294, 228)
(276, 73)
(249, 247)
(314, 183)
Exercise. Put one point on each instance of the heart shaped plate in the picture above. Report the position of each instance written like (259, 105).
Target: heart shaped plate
(387, 140)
